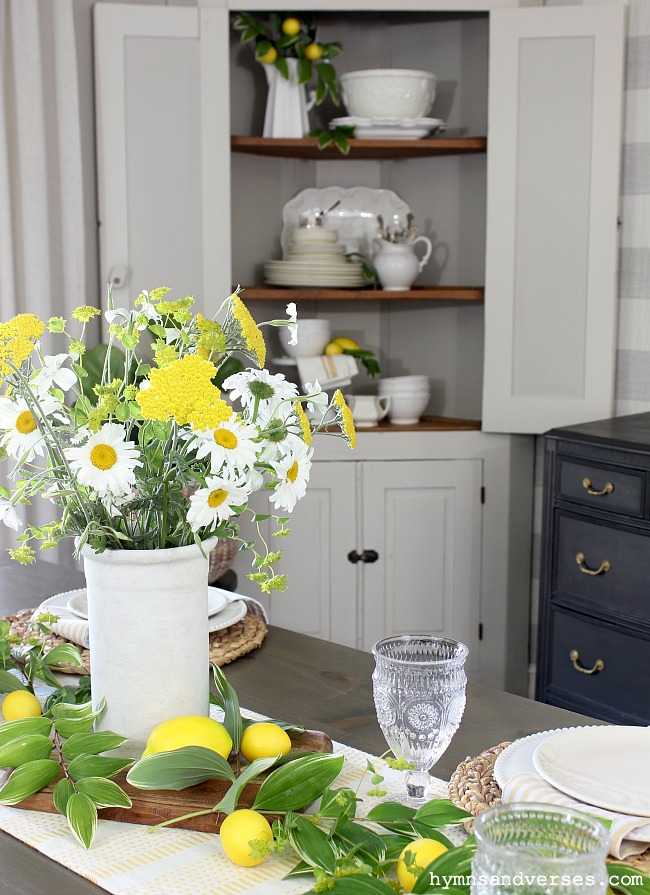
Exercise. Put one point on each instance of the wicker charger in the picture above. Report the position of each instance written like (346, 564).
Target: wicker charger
(472, 786)
(225, 645)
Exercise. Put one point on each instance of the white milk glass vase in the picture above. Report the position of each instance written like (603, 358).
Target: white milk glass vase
(539, 850)
(286, 105)
(148, 625)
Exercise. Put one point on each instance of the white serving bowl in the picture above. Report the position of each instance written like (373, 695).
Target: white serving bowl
(404, 380)
(388, 93)
(313, 336)
(406, 410)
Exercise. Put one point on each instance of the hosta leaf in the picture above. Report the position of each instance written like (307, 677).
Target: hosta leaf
(441, 813)
(360, 885)
(67, 728)
(62, 792)
(72, 711)
(28, 779)
(92, 743)
(23, 726)
(453, 863)
(82, 817)
(621, 878)
(28, 747)
(179, 769)
(390, 811)
(232, 720)
(301, 869)
(295, 785)
(366, 843)
(311, 843)
(63, 654)
(9, 682)
(254, 769)
(338, 803)
(97, 766)
(104, 793)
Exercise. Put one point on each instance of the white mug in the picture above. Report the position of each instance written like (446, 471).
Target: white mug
(367, 410)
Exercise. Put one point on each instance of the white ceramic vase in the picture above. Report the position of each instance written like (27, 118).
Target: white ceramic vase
(286, 106)
(397, 265)
(148, 621)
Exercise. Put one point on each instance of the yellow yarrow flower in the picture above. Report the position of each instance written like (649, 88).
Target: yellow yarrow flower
(18, 335)
(27, 326)
(250, 331)
(84, 313)
(345, 419)
(304, 423)
(183, 391)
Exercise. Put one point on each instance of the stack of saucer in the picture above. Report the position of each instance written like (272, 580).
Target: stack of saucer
(315, 258)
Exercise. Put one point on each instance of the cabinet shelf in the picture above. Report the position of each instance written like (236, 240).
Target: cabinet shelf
(307, 147)
(417, 293)
(428, 424)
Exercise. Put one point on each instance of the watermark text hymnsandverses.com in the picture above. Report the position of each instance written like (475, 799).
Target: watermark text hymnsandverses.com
(526, 881)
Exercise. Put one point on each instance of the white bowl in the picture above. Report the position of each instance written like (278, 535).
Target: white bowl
(388, 92)
(405, 410)
(404, 380)
(313, 336)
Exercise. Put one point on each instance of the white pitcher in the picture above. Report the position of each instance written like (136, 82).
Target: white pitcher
(286, 106)
(397, 264)
(367, 410)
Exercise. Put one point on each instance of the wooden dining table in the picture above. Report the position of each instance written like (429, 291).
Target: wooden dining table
(310, 682)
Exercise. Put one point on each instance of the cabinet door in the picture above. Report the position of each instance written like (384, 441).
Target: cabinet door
(321, 596)
(424, 520)
(555, 108)
(163, 150)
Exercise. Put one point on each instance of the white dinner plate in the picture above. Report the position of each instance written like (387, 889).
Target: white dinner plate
(390, 128)
(603, 766)
(78, 602)
(233, 611)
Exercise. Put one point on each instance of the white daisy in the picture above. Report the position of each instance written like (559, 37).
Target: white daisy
(273, 423)
(217, 501)
(230, 444)
(292, 313)
(251, 385)
(53, 373)
(293, 474)
(21, 430)
(9, 516)
(106, 462)
(318, 399)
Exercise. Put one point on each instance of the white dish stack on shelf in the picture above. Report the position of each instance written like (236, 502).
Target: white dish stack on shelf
(409, 396)
(315, 258)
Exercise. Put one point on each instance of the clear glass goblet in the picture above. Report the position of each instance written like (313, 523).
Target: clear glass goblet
(419, 690)
(539, 849)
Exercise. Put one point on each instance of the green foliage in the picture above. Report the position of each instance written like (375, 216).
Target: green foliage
(338, 136)
(29, 660)
(179, 769)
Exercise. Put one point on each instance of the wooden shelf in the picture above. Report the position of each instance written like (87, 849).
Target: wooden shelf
(418, 293)
(428, 424)
(307, 148)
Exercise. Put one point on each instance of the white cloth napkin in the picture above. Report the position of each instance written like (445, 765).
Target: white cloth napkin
(531, 787)
(331, 371)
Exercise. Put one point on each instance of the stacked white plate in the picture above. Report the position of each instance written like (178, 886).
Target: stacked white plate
(390, 128)
(314, 258)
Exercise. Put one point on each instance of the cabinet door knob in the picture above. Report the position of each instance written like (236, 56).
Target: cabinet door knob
(586, 484)
(599, 665)
(605, 566)
(365, 556)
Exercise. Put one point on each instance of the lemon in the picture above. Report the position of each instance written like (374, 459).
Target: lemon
(269, 57)
(237, 832)
(189, 730)
(313, 51)
(333, 348)
(291, 26)
(20, 704)
(264, 740)
(337, 346)
(424, 851)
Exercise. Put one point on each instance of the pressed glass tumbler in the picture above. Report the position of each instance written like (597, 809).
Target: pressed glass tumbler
(419, 690)
(539, 850)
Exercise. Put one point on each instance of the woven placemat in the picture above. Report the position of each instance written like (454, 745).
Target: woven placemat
(472, 786)
(225, 645)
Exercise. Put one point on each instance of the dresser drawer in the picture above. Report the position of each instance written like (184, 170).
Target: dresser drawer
(618, 689)
(605, 567)
(608, 488)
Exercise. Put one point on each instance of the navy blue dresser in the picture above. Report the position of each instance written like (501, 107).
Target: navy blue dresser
(594, 621)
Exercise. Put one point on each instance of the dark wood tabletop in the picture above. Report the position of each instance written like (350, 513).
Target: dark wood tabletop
(312, 682)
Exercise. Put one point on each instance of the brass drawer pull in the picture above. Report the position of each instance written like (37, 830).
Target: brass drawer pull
(599, 665)
(586, 484)
(605, 566)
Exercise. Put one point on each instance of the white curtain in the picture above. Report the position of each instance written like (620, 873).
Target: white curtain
(43, 231)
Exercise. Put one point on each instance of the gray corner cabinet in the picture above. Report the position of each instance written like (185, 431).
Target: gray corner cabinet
(594, 624)
(513, 319)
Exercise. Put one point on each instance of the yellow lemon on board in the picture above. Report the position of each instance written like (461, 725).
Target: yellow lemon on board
(291, 26)
(188, 730)
(20, 704)
(264, 740)
(424, 851)
(237, 832)
(269, 57)
(313, 51)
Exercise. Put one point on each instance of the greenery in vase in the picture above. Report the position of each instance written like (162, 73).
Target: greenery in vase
(159, 456)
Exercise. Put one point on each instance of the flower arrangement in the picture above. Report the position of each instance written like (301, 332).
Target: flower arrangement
(281, 38)
(157, 456)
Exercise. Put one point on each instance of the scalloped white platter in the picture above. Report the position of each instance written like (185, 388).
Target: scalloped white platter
(390, 128)
(355, 216)
(602, 766)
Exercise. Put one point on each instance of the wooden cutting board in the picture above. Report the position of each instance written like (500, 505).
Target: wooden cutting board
(154, 806)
